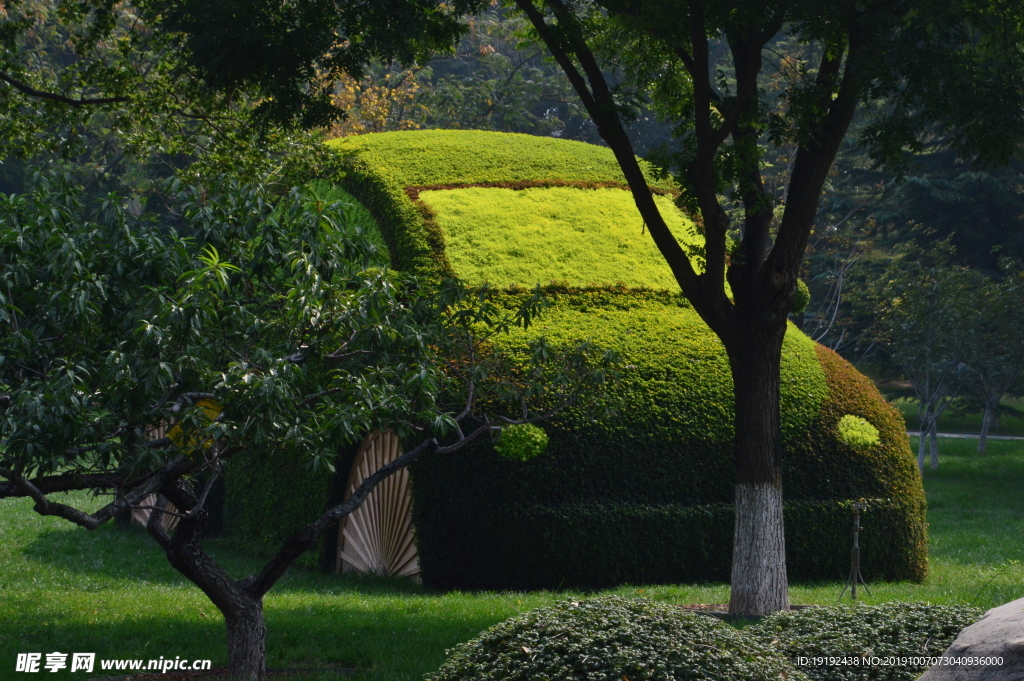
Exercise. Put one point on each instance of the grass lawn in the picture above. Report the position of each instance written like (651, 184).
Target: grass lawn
(111, 591)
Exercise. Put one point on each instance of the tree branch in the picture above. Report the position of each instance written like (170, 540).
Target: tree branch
(597, 99)
(44, 506)
(70, 482)
(814, 159)
(32, 92)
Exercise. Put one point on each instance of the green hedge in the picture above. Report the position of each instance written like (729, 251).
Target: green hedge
(423, 158)
(379, 168)
(270, 497)
(640, 496)
(613, 638)
(598, 545)
(644, 495)
(416, 245)
(573, 235)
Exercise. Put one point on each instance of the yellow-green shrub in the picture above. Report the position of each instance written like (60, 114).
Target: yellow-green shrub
(857, 432)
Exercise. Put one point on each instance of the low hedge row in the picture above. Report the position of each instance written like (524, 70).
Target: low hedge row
(598, 545)
(611, 638)
(902, 630)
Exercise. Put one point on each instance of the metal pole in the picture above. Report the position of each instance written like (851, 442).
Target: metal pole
(855, 575)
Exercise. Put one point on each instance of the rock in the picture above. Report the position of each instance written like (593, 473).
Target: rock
(999, 634)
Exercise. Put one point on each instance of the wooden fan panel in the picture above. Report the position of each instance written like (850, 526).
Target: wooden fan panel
(378, 536)
(140, 516)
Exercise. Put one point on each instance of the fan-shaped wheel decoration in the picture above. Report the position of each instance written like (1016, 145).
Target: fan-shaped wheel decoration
(140, 516)
(378, 537)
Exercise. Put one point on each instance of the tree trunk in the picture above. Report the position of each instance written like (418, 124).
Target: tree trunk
(934, 434)
(247, 634)
(986, 423)
(241, 606)
(925, 425)
(759, 583)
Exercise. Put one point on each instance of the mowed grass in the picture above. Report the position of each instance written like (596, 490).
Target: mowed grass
(575, 236)
(111, 591)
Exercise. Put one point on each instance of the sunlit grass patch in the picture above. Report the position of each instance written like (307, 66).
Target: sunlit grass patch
(576, 236)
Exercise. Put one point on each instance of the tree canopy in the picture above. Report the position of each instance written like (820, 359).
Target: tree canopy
(172, 261)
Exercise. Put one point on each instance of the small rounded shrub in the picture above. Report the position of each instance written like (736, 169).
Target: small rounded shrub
(801, 297)
(857, 432)
(613, 638)
(863, 631)
(522, 441)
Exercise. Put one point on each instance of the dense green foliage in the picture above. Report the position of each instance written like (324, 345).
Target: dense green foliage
(580, 237)
(521, 442)
(441, 158)
(857, 432)
(611, 638)
(615, 501)
(801, 297)
(641, 476)
(889, 630)
(122, 307)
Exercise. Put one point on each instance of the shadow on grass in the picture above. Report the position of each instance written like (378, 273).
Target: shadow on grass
(118, 553)
(387, 642)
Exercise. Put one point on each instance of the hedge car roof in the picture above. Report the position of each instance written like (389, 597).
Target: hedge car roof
(516, 210)
(419, 158)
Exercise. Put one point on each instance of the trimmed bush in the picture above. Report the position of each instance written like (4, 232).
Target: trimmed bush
(613, 638)
(577, 236)
(521, 442)
(603, 544)
(642, 495)
(424, 158)
(889, 630)
(857, 432)
(801, 297)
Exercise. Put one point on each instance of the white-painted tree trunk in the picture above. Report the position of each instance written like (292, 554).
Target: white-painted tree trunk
(759, 580)
(922, 440)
